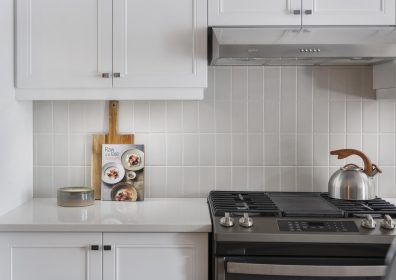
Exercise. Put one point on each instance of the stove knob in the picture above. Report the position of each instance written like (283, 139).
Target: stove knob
(227, 221)
(387, 222)
(368, 222)
(246, 221)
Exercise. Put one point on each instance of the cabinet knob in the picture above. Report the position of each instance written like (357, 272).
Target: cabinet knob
(95, 247)
(308, 12)
(296, 12)
(107, 247)
(106, 75)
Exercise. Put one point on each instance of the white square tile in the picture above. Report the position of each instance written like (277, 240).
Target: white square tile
(87, 178)
(125, 116)
(190, 149)
(255, 116)
(255, 83)
(223, 178)
(370, 146)
(157, 181)
(256, 178)
(207, 149)
(174, 148)
(206, 117)
(355, 84)
(44, 149)
(304, 99)
(77, 149)
(239, 116)
(272, 116)
(272, 93)
(190, 116)
(157, 116)
(88, 149)
(387, 149)
(239, 178)
(271, 150)
(370, 117)
(320, 179)
(321, 150)
(321, 100)
(174, 116)
(288, 153)
(272, 178)
(223, 82)
(61, 149)
(61, 177)
(174, 182)
(338, 84)
(288, 179)
(191, 181)
(354, 117)
(239, 149)
(239, 83)
(45, 186)
(223, 116)
(207, 180)
(141, 116)
(44, 116)
(337, 142)
(157, 149)
(387, 116)
(386, 182)
(337, 117)
(255, 150)
(77, 120)
(96, 117)
(77, 175)
(61, 116)
(304, 149)
(223, 149)
(354, 141)
(368, 93)
(304, 179)
(288, 112)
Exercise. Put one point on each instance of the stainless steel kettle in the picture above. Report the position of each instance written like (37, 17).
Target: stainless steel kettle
(352, 182)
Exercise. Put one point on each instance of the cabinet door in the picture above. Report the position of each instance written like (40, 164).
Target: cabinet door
(63, 43)
(153, 256)
(160, 43)
(49, 256)
(254, 12)
(349, 12)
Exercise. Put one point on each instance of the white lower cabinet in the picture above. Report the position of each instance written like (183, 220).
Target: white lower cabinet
(65, 256)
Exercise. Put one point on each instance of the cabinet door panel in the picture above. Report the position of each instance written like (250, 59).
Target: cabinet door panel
(349, 12)
(49, 256)
(254, 12)
(155, 256)
(63, 44)
(160, 43)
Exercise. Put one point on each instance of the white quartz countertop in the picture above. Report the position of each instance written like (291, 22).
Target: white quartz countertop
(151, 215)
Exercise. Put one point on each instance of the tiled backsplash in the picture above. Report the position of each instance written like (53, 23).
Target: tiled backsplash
(257, 129)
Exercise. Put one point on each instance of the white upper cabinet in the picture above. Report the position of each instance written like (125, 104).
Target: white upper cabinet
(160, 43)
(301, 12)
(111, 49)
(63, 44)
(254, 12)
(348, 12)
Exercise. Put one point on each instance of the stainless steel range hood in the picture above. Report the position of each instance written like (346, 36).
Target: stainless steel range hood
(302, 46)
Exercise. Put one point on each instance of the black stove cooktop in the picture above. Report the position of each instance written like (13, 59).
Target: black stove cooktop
(294, 204)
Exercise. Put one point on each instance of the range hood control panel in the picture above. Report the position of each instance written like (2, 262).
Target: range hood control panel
(317, 226)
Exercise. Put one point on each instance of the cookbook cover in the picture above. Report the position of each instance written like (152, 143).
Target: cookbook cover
(122, 172)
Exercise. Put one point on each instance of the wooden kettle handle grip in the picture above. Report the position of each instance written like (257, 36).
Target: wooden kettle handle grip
(368, 166)
(113, 118)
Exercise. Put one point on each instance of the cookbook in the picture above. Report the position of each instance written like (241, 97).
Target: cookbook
(122, 172)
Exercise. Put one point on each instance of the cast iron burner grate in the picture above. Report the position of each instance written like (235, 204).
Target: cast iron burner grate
(238, 203)
(376, 207)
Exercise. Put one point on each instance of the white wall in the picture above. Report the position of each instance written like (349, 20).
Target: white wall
(16, 125)
(258, 129)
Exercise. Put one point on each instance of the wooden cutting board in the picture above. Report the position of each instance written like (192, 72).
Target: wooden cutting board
(110, 138)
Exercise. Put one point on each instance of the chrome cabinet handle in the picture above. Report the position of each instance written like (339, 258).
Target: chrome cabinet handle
(306, 270)
(105, 75)
(296, 12)
(117, 75)
(308, 12)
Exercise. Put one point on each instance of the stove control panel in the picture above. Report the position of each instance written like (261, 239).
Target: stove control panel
(317, 226)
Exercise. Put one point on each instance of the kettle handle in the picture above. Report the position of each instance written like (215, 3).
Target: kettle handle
(369, 168)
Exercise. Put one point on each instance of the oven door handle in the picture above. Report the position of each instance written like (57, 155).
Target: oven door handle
(305, 270)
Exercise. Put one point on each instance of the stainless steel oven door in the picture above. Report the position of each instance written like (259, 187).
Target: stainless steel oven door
(298, 268)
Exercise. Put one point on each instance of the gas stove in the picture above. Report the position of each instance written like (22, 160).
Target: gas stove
(266, 228)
